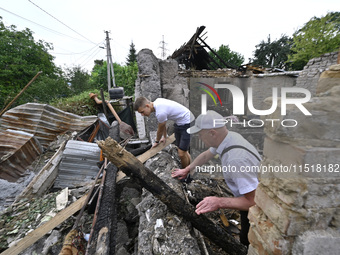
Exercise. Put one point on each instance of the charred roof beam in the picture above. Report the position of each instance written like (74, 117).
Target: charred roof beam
(215, 53)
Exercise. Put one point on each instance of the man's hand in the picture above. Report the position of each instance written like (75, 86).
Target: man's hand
(180, 173)
(162, 140)
(155, 145)
(208, 204)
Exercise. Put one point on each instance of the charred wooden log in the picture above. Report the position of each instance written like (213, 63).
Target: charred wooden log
(131, 166)
(103, 232)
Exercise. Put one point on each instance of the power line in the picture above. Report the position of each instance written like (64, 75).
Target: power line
(49, 29)
(61, 22)
(89, 57)
(74, 53)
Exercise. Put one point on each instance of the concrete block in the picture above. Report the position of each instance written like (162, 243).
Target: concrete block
(317, 242)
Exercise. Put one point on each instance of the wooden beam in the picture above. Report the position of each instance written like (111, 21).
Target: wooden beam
(104, 226)
(38, 233)
(153, 151)
(131, 166)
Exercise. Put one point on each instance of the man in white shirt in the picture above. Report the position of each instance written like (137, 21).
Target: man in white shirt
(236, 154)
(165, 110)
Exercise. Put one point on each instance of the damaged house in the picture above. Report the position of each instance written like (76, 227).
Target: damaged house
(85, 188)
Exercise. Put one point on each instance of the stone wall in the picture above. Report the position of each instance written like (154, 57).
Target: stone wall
(311, 72)
(298, 207)
(158, 79)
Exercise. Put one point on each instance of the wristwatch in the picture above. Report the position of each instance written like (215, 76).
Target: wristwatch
(156, 141)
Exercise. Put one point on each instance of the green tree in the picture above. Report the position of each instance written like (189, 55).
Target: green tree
(273, 54)
(230, 57)
(21, 58)
(45, 90)
(125, 76)
(98, 78)
(318, 36)
(78, 79)
(132, 57)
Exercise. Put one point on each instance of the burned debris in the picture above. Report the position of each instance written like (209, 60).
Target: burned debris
(194, 54)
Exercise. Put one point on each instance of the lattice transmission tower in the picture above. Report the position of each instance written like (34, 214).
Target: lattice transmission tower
(164, 50)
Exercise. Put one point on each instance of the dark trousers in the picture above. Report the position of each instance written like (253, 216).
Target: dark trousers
(244, 228)
(182, 136)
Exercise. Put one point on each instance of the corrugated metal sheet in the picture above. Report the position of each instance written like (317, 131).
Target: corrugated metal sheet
(18, 150)
(78, 165)
(43, 121)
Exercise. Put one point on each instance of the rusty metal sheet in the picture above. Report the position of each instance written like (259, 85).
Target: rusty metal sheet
(18, 150)
(43, 121)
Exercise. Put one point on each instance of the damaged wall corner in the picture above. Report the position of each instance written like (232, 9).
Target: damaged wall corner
(158, 79)
(297, 212)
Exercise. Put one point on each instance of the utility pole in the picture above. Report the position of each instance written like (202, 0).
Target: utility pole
(109, 63)
(163, 48)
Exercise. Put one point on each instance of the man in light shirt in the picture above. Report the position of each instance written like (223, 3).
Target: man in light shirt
(236, 153)
(165, 110)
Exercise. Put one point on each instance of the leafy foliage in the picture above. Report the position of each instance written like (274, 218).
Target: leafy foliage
(228, 56)
(273, 54)
(125, 77)
(80, 104)
(21, 58)
(316, 37)
(78, 79)
(45, 90)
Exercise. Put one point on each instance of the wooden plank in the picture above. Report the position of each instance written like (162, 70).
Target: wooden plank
(153, 151)
(148, 154)
(36, 234)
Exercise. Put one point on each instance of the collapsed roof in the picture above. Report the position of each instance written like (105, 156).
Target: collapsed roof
(193, 54)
